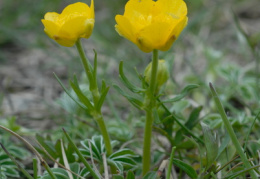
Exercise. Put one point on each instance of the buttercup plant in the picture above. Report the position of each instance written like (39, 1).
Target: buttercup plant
(77, 21)
(152, 26)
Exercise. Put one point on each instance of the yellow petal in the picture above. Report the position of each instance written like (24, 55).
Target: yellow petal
(74, 10)
(51, 16)
(66, 42)
(152, 24)
(76, 27)
(174, 34)
(51, 29)
(134, 7)
(175, 8)
(141, 12)
(124, 28)
(77, 8)
(89, 23)
(92, 10)
(153, 36)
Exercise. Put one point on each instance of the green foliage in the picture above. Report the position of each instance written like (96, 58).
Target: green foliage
(121, 159)
(68, 104)
(121, 130)
(11, 123)
(182, 94)
(209, 50)
(211, 145)
(150, 175)
(130, 175)
(186, 168)
(7, 167)
(54, 149)
(61, 173)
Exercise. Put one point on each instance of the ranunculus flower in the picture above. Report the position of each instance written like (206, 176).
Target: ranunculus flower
(76, 21)
(152, 24)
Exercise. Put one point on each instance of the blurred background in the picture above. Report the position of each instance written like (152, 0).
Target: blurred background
(214, 47)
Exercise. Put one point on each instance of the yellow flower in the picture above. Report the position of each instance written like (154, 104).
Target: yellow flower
(76, 21)
(152, 24)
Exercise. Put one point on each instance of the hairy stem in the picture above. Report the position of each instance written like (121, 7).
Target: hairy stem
(151, 101)
(93, 87)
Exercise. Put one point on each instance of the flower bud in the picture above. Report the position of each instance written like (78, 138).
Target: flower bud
(162, 73)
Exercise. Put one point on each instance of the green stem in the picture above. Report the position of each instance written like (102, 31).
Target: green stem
(46, 166)
(35, 168)
(93, 87)
(149, 114)
(147, 142)
(170, 163)
(152, 84)
(104, 133)
(106, 138)
(231, 131)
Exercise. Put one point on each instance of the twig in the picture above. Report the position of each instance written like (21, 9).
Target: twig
(105, 165)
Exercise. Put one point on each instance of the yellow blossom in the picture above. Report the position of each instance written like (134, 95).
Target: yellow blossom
(152, 24)
(76, 21)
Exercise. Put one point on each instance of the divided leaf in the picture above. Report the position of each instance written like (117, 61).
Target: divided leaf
(134, 101)
(183, 93)
(127, 83)
(70, 95)
(80, 94)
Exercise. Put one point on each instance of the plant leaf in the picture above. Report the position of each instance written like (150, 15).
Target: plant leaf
(150, 175)
(80, 94)
(186, 168)
(48, 146)
(68, 93)
(60, 173)
(118, 165)
(118, 177)
(191, 122)
(136, 102)
(183, 93)
(102, 98)
(126, 82)
(210, 144)
(130, 175)
(121, 153)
